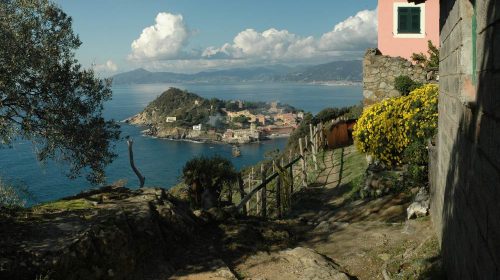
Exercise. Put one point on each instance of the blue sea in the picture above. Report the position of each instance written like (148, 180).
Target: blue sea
(160, 160)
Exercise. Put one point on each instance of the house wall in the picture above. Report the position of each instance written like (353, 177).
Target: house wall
(405, 47)
(465, 183)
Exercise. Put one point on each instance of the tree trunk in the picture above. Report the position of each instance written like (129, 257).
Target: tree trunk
(142, 179)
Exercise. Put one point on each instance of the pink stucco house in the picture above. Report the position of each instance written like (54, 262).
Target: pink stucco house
(404, 27)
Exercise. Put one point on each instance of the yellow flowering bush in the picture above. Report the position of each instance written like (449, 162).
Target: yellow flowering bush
(387, 128)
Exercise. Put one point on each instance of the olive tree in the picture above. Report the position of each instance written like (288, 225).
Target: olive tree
(45, 94)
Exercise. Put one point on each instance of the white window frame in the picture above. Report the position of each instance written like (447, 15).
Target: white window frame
(396, 18)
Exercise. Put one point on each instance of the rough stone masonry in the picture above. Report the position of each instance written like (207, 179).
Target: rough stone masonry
(380, 71)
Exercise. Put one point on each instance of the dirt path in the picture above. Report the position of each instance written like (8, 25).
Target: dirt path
(363, 237)
(366, 239)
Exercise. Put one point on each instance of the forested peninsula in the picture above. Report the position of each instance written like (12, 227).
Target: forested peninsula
(182, 115)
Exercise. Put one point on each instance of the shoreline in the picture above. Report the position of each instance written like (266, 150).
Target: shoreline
(209, 141)
(145, 133)
(336, 83)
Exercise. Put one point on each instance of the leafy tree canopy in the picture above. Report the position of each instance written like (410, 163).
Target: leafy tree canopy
(241, 119)
(45, 94)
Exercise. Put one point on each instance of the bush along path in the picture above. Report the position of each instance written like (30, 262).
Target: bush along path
(331, 233)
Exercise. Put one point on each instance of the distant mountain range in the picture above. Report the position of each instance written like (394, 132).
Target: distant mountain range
(334, 71)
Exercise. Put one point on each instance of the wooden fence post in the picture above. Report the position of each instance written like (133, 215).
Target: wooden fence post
(250, 181)
(306, 149)
(303, 160)
(313, 146)
(263, 193)
(323, 136)
(291, 180)
(230, 193)
(320, 135)
(311, 134)
(241, 187)
(278, 193)
(291, 175)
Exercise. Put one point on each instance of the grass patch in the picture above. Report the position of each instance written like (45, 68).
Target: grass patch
(64, 205)
(354, 164)
(354, 170)
(423, 263)
(354, 186)
(312, 173)
(179, 191)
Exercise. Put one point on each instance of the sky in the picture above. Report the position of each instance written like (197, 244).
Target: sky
(188, 36)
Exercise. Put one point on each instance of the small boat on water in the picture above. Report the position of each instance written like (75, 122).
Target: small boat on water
(236, 151)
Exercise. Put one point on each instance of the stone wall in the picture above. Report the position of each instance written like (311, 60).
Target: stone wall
(380, 71)
(465, 188)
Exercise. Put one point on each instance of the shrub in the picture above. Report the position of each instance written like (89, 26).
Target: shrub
(405, 85)
(12, 196)
(427, 62)
(329, 114)
(354, 112)
(387, 128)
(416, 175)
(205, 177)
(416, 153)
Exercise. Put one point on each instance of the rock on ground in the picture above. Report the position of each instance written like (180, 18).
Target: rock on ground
(213, 270)
(291, 264)
(420, 205)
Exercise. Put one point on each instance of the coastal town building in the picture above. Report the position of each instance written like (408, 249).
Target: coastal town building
(261, 119)
(274, 108)
(246, 113)
(228, 134)
(277, 130)
(286, 119)
(197, 127)
(242, 136)
(405, 28)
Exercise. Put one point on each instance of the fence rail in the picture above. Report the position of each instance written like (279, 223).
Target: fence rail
(264, 183)
(285, 176)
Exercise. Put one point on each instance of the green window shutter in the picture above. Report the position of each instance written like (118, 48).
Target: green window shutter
(403, 20)
(409, 20)
(415, 20)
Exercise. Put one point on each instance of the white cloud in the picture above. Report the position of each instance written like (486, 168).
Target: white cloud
(272, 44)
(109, 67)
(355, 33)
(164, 40)
(164, 45)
